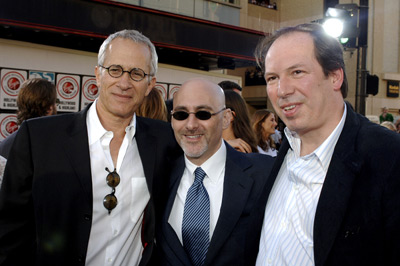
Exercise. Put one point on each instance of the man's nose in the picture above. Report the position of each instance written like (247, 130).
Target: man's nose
(285, 87)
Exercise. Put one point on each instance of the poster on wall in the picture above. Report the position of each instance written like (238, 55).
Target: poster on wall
(50, 76)
(90, 91)
(11, 81)
(68, 92)
(392, 89)
(8, 125)
(162, 87)
(172, 90)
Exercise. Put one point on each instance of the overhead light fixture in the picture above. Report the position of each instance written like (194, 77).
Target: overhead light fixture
(342, 22)
(333, 26)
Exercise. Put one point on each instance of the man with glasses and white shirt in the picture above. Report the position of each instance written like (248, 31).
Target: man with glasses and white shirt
(213, 188)
(83, 188)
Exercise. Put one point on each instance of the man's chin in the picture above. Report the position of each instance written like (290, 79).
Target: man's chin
(190, 152)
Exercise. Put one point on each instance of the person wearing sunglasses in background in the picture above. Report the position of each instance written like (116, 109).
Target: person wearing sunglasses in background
(213, 187)
(82, 188)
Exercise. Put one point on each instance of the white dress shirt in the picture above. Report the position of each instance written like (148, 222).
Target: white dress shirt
(214, 167)
(115, 239)
(3, 162)
(287, 232)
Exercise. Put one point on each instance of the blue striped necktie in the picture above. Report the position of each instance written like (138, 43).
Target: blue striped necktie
(196, 220)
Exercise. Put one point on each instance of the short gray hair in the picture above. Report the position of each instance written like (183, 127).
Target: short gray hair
(135, 36)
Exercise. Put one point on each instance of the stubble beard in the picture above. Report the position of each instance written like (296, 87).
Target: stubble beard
(191, 151)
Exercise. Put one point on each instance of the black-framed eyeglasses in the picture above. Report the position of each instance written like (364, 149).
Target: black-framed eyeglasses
(117, 71)
(110, 201)
(202, 115)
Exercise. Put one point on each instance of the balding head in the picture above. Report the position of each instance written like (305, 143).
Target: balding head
(199, 139)
(204, 86)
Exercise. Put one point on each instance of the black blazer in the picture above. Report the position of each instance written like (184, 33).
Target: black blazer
(234, 242)
(357, 221)
(6, 144)
(46, 196)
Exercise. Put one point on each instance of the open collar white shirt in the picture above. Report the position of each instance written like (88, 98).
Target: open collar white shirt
(214, 167)
(287, 232)
(115, 239)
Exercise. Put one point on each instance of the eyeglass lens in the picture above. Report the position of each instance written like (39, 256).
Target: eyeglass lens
(110, 201)
(182, 115)
(117, 71)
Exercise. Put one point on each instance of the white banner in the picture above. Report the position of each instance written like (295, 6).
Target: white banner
(90, 91)
(8, 125)
(68, 92)
(11, 81)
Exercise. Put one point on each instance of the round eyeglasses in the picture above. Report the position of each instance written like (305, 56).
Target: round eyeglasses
(110, 201)
(117, 71)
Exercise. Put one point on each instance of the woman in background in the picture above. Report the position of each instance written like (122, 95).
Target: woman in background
(264, 124)
(239, 134)
(153, 106)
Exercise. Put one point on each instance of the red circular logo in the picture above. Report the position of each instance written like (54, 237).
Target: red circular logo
(11, 127)
(13, 84)
(68, 87)
(93, 89)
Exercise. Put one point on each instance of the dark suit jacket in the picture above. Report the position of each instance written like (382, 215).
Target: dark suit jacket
(233, 241)
(357, 221)
(46, 196)
(6, 144)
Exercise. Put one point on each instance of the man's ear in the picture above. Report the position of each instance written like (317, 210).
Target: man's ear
(151, 85)
(51, 110)
(97, 73)
(337, 77)
(228, 117)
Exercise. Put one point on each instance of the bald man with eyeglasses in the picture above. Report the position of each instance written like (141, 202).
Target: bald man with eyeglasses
(84, 188)
(213, 188)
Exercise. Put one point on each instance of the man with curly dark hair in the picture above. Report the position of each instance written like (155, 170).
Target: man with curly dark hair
(36, 98)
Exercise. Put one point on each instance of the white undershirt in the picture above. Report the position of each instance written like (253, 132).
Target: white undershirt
(214, 167)
(287, 232)
(115, 239)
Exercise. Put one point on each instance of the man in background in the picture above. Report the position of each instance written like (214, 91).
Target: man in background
(230, 85)
(333, 195)
(36, 98)
(385, 116)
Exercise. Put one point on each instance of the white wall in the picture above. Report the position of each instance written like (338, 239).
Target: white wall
(22, 55)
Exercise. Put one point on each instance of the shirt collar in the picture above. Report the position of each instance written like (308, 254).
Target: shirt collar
(325, 150)
(96, 130)
(213, 167)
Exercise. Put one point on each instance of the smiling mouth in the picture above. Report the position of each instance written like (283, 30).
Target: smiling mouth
(193, 136)
(288, 108)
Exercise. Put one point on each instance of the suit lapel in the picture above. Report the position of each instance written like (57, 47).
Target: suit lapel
(147, 149)
(237, 186)
(336, 191)
(76, 147)
(169, 234)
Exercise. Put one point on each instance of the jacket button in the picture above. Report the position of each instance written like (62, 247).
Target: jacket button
(81, 259)
(88, 217)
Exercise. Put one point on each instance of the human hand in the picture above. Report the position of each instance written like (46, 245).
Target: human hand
(240, 145)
